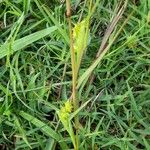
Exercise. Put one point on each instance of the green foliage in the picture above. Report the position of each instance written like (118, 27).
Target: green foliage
(23, 42)
(42, 126)
(35, 75)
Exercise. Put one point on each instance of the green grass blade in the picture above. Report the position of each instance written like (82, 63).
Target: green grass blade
(25, 41)
(20, 129)
(47, 130)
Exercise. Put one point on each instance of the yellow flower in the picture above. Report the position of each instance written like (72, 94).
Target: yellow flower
(68, 106)
(79, 33)
(65, 110)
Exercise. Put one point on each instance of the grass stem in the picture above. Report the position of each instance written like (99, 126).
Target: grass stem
(74, 73)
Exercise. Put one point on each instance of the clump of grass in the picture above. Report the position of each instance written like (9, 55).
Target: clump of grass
(111, 77)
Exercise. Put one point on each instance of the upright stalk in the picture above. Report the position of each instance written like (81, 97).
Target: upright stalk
(74, 72)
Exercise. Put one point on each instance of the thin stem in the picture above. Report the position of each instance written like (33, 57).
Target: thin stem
(74, 73)
(73, 63)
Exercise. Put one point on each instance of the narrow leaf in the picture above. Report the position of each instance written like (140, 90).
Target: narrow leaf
(42, 126)
(47, 130)
(25, 41)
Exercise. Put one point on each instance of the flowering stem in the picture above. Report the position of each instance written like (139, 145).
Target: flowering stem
(74, 72)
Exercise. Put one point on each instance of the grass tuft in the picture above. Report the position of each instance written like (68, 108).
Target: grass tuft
(112, 76)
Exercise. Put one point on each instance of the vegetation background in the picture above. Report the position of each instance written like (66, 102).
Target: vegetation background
(35, 76)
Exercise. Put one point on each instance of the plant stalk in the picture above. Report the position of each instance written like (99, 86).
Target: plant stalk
(74, 73)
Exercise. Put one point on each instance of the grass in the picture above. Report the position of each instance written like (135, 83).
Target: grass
(113, 87)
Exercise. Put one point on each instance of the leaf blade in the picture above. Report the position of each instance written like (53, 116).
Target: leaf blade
(25, 41)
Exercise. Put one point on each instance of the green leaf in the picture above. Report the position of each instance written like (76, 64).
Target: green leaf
(21, 130)
(47, 130)
(25, 41)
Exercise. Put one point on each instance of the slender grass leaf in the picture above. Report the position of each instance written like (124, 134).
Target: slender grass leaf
(25, 41)
(22, 132)
(47, 130)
